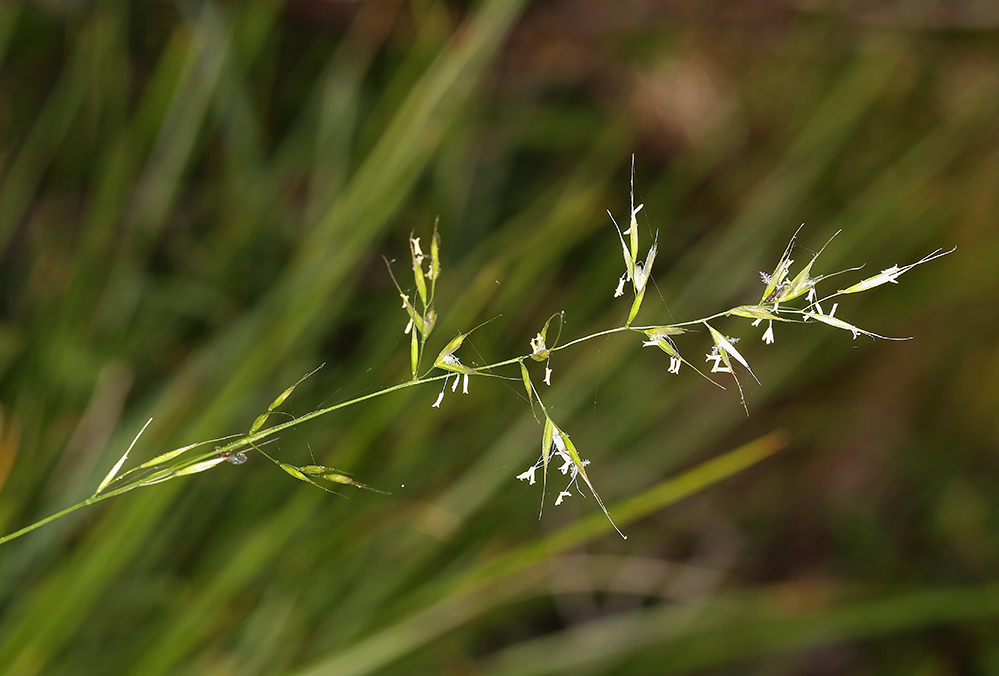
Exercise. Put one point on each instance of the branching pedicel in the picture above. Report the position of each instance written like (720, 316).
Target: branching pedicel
(556, 445)
(778, 291)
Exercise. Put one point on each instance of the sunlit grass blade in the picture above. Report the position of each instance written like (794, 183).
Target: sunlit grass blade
(121, 461)
(472, 593)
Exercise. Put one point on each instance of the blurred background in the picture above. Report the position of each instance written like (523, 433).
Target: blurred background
(195, 199)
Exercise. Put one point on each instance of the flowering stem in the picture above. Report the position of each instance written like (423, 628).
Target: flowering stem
(778, 291)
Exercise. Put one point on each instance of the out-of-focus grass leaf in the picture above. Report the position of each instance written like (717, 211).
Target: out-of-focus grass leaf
(194, 202)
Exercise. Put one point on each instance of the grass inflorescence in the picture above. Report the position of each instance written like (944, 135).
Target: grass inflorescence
(774, 305)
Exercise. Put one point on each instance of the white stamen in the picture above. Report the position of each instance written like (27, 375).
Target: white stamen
(768, 335)
(717, 367)
(440, 397)
(568, 463)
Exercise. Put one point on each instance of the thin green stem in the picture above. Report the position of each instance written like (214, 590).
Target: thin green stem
(72, 508)
(606, 332)
(252, 440)
(48, 519)
(167, 473)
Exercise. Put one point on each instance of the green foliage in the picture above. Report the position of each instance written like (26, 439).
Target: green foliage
(194, 200)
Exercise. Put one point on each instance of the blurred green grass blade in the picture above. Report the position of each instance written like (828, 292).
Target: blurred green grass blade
(172, 152)
(304, 300)
(553, 226)
(23, 175)
(533, 245)
(187, 112)
(188, 626)
(666, 493)
(495, 581)
(889, 205)
(252, 264)
(117, 173)
(402, 151)
(339, 93)
(732, 630)
(779, 195)
(37, 627)
(327, 256)
(10, 13)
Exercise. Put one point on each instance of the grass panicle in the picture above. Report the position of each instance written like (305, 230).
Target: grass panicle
(556, 442)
